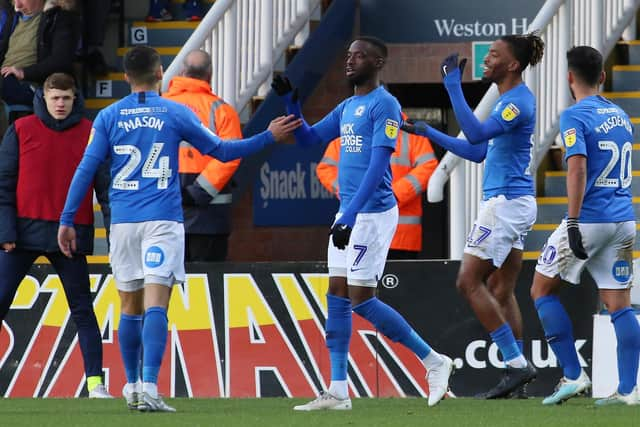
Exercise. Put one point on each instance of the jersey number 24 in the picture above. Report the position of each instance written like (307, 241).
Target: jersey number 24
(162, 173)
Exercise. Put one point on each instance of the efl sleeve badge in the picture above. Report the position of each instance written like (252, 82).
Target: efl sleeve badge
(391, 129)
(510, 112)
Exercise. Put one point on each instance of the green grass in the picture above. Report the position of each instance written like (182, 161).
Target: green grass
(579, 412)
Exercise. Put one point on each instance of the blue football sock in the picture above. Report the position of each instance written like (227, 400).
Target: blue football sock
(506, 342)
(392, 325)
(559, 333)
(628, 335)
(130, 340)
(520, 345)
(338, 335)
(154, 341)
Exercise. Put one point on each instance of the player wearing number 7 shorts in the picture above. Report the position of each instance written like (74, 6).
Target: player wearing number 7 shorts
(598, 233)
(142, 133)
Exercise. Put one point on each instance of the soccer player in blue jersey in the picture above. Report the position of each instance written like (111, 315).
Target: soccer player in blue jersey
(368, 124)
(141, 133)
(598, 233)
(493, 252)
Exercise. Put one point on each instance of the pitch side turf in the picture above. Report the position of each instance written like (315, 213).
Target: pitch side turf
(277, 412)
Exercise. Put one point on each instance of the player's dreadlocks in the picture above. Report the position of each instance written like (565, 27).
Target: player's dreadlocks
(527, 49)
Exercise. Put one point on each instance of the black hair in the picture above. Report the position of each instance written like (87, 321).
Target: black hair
(586, 63)
(141, 63)
(376, 42)
(527, 49)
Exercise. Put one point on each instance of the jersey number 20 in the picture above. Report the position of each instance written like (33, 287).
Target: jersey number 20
(162, 173)
(624, 157)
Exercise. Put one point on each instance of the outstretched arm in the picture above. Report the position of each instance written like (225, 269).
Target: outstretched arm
(460, 147)
(475, 131)
(305, 135)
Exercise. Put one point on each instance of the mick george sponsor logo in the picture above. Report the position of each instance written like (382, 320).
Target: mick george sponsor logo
(350, 141)
(481, 354)
(299, 183)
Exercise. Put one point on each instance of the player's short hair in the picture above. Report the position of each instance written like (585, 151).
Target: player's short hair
(60, 81)
(586, 63)
(141, 63)
(527, 49)
(376, 42)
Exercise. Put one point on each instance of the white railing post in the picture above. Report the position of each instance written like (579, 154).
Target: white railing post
(597, 25)
(230, 56)
(457, 213)
(266, 43)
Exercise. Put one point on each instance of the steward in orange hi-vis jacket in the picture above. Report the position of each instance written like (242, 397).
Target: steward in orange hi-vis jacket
(412, 164)
(205, 181)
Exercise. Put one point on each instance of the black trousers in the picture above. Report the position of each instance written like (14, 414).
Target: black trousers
(74, 274)
(206, 247)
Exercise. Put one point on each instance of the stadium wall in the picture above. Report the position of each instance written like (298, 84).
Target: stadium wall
(256, 329)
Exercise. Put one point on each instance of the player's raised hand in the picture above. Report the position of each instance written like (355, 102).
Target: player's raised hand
(575, 239)
(451, 68)
(282, 126)
(283, 87)
(67, 240)
(417, 128)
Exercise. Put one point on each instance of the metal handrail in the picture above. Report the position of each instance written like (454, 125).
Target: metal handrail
(562, 23)
(245, 39)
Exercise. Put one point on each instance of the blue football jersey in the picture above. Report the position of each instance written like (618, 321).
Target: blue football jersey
(142, 134)
(363, 122)
(508, 161)
(602, 132)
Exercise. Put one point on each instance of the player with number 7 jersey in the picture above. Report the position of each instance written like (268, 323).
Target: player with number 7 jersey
(141, 134)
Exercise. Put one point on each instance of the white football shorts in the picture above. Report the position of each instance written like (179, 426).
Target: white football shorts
(502, 225)
(147, 252)
(363, 261)
(610, 250)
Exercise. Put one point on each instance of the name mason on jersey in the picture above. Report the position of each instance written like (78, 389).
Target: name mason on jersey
(144, 121)
(351, 142)
(613, 122)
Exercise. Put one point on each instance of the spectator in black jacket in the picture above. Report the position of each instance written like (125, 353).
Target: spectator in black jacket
(38, 157)
(39, 38)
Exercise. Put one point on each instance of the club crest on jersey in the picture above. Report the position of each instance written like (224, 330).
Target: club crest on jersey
(569, 137)
(359, 111)
(93, 131)
(510, 112)
(391, 129)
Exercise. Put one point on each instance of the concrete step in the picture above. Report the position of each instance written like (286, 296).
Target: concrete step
(628, 101)
(626, 78)
(552, 209)
(167, 53)
(555, 183)
(113, 85)
(634, 51)
(93, 106)
(170, 33)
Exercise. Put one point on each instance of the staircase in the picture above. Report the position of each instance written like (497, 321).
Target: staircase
(239, 74)
(553, 206)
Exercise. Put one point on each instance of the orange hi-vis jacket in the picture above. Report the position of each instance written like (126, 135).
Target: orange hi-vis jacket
(412, 164)
(206, 176)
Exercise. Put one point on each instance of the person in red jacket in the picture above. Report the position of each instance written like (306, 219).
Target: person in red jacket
(205, 182)
(38, 156)
(412, 164)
